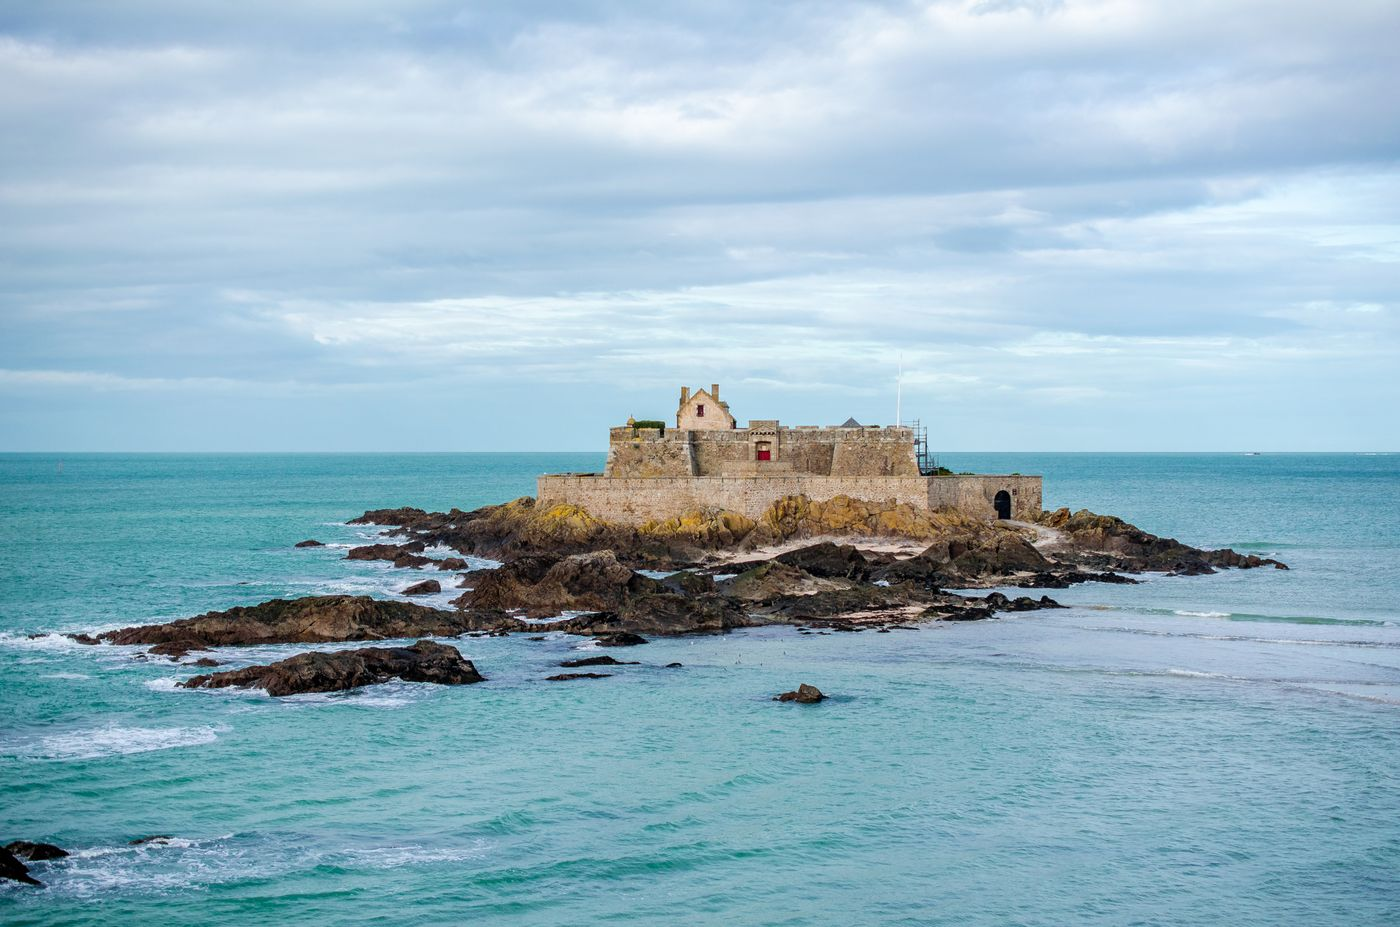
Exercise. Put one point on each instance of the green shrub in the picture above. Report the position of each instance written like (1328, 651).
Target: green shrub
(649, 423)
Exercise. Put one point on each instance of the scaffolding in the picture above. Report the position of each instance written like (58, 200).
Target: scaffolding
(928, 464)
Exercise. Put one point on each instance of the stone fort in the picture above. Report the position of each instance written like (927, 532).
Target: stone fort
(707, 462)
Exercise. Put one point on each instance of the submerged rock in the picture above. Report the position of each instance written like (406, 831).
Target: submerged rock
(309, 542)
(598, 661)
(35, 852)
(153, 838)
(425, 661)
(620, 639)
(314, 619)
(564, 677)
(803, 694)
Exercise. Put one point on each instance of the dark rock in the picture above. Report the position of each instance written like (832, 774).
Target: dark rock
(1103, 540)
(803, 694)
(154, 838)
(773, 579)
(406, 517)
(314, 619)
(868, 601)
(177, 648)
(620, 639)
(411, 561)
(309, 542)
(566, 676)
(547, 585)
(688, 583)
(426, 587)
(425, 661)
(537, 637)
(1004, 555)
(674, 665)
(1063, 579)
(206, 661)
(35, 852)
(84, 638)
(452, 563)
(392, 552)
(954, 612)
(598, 661)
(14, 870)
(828, 560)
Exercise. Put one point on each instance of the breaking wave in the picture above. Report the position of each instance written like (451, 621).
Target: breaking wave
(109, 740)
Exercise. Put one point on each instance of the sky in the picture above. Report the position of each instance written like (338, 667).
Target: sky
(331, 225)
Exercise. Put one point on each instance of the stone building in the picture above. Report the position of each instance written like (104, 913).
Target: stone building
(708, 462)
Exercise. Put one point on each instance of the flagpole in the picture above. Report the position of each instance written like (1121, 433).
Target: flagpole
(899, 393)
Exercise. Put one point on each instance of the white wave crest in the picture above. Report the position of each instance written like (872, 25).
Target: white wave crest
(110, 740)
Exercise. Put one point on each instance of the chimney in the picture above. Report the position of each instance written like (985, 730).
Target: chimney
(685, 394)
(714, 391)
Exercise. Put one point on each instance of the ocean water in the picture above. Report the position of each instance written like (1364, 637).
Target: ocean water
(1221, 749)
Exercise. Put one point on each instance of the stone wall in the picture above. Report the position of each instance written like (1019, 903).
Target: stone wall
(868, 451)
(974, 494)
(634, 500)
(646, 452)
(852, 452)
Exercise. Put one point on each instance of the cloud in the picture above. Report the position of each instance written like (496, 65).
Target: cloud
(1073, 201)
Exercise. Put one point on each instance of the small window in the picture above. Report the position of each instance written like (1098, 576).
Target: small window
(699, 411)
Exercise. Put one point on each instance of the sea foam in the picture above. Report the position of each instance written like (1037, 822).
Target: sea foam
(109, 740)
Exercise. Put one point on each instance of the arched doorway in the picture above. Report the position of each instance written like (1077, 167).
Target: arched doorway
(1003, 504)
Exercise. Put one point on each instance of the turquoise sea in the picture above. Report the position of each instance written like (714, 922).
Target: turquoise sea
(1221, 749)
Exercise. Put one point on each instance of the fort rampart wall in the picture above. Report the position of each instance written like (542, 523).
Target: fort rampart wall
(636, 500)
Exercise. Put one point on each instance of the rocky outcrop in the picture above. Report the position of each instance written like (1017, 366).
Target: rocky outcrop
(803, 695)
(384, 551)
(177, 648)
(12, 869)
(565, 677)
(773, 579)
(829, 561)
(426, 587)
(315, 619)
(521, 528)
(425, 661)
(543, 585)
(1107, 542)
(309, 542)
(35, 852)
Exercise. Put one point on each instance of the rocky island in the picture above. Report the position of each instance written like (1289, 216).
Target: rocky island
(823, 563)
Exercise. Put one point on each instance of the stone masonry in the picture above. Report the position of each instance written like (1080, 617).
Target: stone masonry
(708, 462)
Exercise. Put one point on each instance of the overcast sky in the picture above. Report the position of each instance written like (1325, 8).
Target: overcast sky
(344, 225)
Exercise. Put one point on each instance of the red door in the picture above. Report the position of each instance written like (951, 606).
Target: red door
(763, 454)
